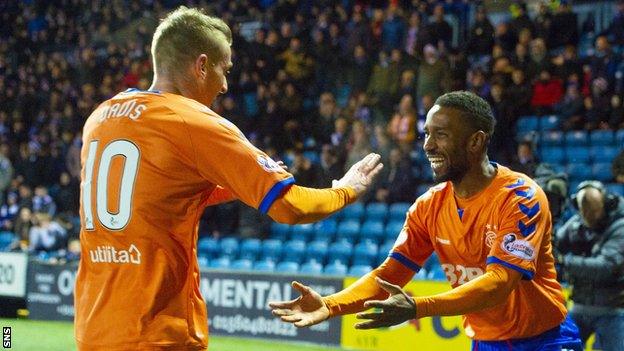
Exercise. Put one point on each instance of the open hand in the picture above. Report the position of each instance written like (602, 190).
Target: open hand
(361, 175)
(304, 311)
(396, 309)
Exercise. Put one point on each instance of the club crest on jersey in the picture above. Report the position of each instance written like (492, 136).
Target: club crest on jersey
(490, 234)
(268, 164)
(518, 247)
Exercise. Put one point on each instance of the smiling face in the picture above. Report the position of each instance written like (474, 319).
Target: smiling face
(445, 144)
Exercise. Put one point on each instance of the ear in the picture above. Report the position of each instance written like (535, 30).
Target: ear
(201, 66)
(477, 141)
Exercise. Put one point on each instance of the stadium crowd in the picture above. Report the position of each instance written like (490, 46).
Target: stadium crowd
(317, 84)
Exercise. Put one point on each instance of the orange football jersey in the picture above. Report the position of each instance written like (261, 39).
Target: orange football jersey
(509, 224)
(150, 161)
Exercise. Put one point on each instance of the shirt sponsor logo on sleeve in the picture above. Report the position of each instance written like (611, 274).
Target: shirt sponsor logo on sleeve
(268, 164)
(517, 247)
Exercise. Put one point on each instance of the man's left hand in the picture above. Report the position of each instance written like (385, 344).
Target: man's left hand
(396, 309)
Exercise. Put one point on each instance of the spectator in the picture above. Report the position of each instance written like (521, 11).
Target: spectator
(432, 73)
(8, 213)
(617, 113)
(46, 234)
(393, 29)
(547, 92)
(65, 195)
(590, 254)
(358, 72)
(297, 63)
(519, 93)
(6, 168)
(617, 168)
(439, 31)
(396, 183)
(43, 202)
(358, 145)
(502, 139)
(616, 28)
(481, 37)
(415, 36)
(571, 107)
(564, 27)
(331, 168)
(525, 160)
(402, 126)
(543, 21)
(539, 59)
(521, 18)
(306, 172)
(23, 223)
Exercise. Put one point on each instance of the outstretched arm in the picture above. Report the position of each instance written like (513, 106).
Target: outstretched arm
(305, 205)
(486, 291)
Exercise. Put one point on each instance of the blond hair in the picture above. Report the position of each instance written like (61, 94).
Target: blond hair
(185, 34)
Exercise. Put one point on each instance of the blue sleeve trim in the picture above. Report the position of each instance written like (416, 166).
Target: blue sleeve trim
(526, 275)
(270, 197)
(405, 261)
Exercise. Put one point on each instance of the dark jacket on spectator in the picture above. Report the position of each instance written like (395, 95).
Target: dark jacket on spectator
(593, 262)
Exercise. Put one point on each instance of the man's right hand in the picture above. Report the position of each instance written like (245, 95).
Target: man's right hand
(361, 175)
(304, 311)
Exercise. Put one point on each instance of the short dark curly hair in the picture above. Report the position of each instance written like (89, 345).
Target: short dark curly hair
(476, 111)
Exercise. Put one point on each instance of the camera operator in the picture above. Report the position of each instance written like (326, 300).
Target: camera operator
(591, 254)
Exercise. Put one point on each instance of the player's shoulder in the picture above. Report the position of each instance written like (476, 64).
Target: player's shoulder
(434, 195)
(512, 184)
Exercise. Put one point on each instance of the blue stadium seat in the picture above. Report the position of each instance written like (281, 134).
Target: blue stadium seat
(250, 249)
(311, 268)
(203, 261)
(372, 230)
(384, 251)
(287, 267)
(619, 138)
(340, 251)
(229, 247)
(359, 270)
(219, 263)
(576, 138)
(302, 232)
(602, 138)
(376, 211)
(241, 265)
(294, 250)
(325, 230)
(317, 250)
(399, 210)
(436, 274)
(604, 153)
(553, 154)
(551, 138)
(208, 247)
(393, 229)
(365, 253)
(577, 154)
(579, 171)
(264, 266)
(354, 211)
(348, 229)
(280, 231)
(272, 249)
(615, 188)
(602, 172)
(335, 268)
(527, 124)
(552, 122)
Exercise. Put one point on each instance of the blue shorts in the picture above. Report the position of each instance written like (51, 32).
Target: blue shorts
(563, 337)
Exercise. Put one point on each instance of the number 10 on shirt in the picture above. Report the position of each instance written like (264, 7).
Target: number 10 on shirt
(111, 221)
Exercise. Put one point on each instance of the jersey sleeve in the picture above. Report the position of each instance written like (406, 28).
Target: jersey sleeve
(413, 245)
(225, 157)
(524, 223)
